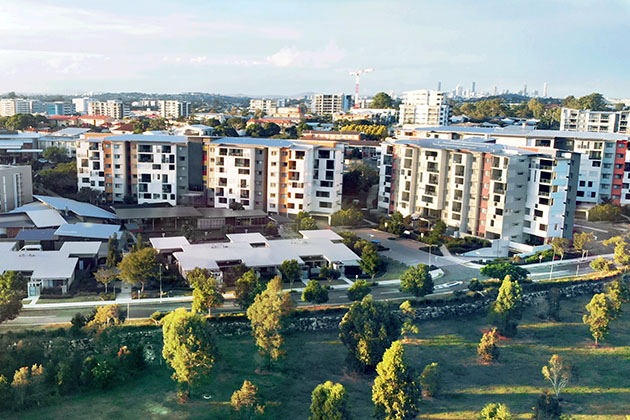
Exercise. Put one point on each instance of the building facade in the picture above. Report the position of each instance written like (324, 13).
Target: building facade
(16, 187)
(424, 108)
(174, 109)
(594, 121)
(266, 106)
(324, 104)
(113, 108)
(481, 188)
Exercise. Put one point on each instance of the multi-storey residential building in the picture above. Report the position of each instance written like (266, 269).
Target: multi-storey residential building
(112, 108)
(267, 106)
(324, 104)
(151, 169)
(174, 109)
(274, 175)
(81, 105)
(60, 108)
(16, 187)
(481, 188)
(424, 108)
(603, 175)
(594, 121)
(10, 107)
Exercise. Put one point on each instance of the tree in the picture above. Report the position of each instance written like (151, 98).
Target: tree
(270, 229)
(359, 179)
(370, 262)
(268, 316)
(618, 292)
(367, 330)
(602, 265)
(581, 240)
(495, 411)
(622, 250)
(188, 231)
(488, 349)
(105, 276)
(113, 252)
(557, 374)
(396, 390)
(500, 270)
(348, 217)
(246, 403)
(329, 401)
(12, 291)
(207, 291)
(359, 289)
(547, 407)
(247, 288)
(396, 224)
(600, 313)
(139, 266)
(189, 348)
(315, 293)
(507, 309)
(61, 179)
(55, 154)
(328, 273)
(475, 285)
(308, 223)
(417, 280)
(431, 380)
(560, 245)
(435, 237)
(291, 271)
(408, 313)
(106, 315)
(604, 212)
(381, 101)
(89, 195)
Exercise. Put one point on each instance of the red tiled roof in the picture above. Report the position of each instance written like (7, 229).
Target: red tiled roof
(94, 117)
(63, 117)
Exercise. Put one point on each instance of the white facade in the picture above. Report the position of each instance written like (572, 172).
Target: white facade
(267, 106)
(324, 104)
(16, 187)
(594, 121)
(424, 108)
(81, 105)
(174, 109)
(112, 108)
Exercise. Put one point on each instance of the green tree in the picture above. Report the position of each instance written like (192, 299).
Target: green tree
(139, 267)
(105, 276)
(308, 223)
(370, 262)
(431, 380)
(557, 374)
(348, 217)
(547, 408)
(581, 240)
(12, 291)
(207, 292)
(488, 349)
(61, 179)
(328, 273)
(359, 289)
(495, 411)
(604, 212)
(291, 271)
(560, 245)
(329, 401)
(247, 288)
(92, 196)
(622, 250)
(417, 281)
(382, 101)
(396, 390)
(189, 348)
(315, 293)
(268, 315)
(600, 313)
(500, 270)
(113, 252)
(618, 292)
(55, 154)
(367, 330)
(601, 264)
(396, 224)
(507, 309)
(108, 315)
(246, 402)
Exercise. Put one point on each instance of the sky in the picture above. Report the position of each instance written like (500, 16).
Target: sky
(288, 47)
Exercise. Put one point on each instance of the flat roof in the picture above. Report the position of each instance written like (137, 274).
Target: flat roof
(36, 235)
(149, 138)
(76, 207)
(472, 144)
(215, 213)
(70, 131)
(528, 131)
(253, 141)
(88, 230)
(320, 234)
(127, 213)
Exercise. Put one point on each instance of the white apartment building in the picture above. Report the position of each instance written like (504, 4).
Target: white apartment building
(10, 107)
(16, 187)
(481, 188)
(324, 104)
(267, 106)
(424, 108)
(594, 121)
(151, 169)
(274, 175)
(174, 109)
(82, 105)
(112, 108)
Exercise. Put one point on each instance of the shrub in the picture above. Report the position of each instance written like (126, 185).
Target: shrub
(547, 407)
(78, 321)
(488, 349)
(358, 290)
(431, 380)
(475, 285)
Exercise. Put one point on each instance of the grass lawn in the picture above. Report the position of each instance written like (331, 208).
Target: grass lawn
(600, 388)
(394, 270)
(71, 299)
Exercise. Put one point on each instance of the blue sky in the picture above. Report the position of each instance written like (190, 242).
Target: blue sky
(269, 47)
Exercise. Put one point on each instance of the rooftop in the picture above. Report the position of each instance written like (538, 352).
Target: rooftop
(70, 132)
(472, 144)
(88, 230)
(523, 131)
(216, 213)
(147, 212)
(161, 138)
(41, 215)
(77, 207)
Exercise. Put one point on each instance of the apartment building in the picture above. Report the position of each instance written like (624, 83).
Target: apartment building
(16, 187)
(174, 109)
(594, 121)
(604, 174)
(82, 105)
(10, 107)
(274, 175)
(424, 108)
(324, 104)
(60, 108)
(113, 108)
(151, 169)
(267, 106)
(481, 188)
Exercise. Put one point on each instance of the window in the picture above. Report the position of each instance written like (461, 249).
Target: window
(325, 204)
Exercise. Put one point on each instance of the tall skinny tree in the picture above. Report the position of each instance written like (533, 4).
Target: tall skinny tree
(12, 291)
(189, 349)
(329, 401)
(267, 315)
(600, 313)
(113, 252)
(246, 402)
(507, 310)
(557, 374)
(369, 262)
(396, 389)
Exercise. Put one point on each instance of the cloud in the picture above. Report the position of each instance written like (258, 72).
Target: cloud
(293, 57)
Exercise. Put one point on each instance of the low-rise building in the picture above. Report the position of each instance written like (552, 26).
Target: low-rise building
(16, 187)
(595, 121)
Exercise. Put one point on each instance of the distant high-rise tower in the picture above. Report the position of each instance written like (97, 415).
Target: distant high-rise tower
(496, 91)
(439, 87)
(525, 90)
(473, 88)
(545, 90)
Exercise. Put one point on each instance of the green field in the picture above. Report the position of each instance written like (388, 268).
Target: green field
(600, 388)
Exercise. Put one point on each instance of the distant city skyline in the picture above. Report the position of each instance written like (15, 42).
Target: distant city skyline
(286, 48)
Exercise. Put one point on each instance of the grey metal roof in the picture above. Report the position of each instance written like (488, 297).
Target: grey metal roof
(473, 144)
(254, 141)
(213, 213)
(528, 131)
(87, 230)
(128, 213)
(149, 138)
(36, 235)
(76, 207)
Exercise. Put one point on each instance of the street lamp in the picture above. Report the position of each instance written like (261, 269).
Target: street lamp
(160, 283)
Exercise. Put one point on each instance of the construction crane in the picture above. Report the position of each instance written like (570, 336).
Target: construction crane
(357, 76)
